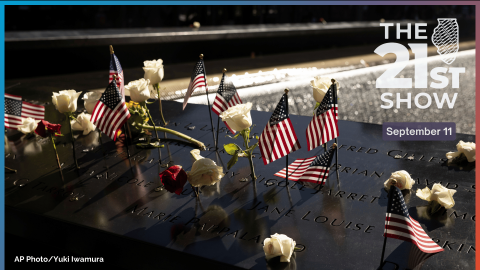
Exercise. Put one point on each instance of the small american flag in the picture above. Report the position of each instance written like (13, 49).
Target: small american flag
(227, 97)
(197, 81)
(110, 112)
(312, 169)
(399, 224)
(323, 126)
(278, 139)
(16, 110)
(116, 69)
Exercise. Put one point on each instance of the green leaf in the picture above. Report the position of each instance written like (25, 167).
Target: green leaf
(234, 137)
(232, 161)
(231, 148)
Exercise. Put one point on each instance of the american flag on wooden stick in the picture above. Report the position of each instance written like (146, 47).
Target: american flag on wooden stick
(197, 81)
(314, 169)
(399, 224)
(16, 110)
(116, 69)
(324, 124)
(110, 112)
(278, 139)
(227, 97)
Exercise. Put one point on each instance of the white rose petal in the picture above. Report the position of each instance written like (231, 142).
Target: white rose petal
(196, 154)
(28, 125)
(320, 87)
(279, 245)
(139, 91)
(205, 172)
(238, 117)
(90, 99)
(65, 100)
(153, 71)
(404, 181)
(443, 195)
(465, 148)
(83, 123)
(424, 194)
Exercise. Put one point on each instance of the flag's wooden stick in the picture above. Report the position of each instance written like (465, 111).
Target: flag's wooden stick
(390, 195)
(209, 107)
(126, 138)
(336, 113)
(218, 121)
(286, 168)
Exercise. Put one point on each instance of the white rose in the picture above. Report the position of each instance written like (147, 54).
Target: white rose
(28, 125)
(205, 172)
(153, 71)
(65, 100)
(238, 117)
(279, 245)
(90, 99)
(139, 91)
(466, 148)
(83, 123)
(320, 87)
(439, 193)
(443, 195)
(404, 181)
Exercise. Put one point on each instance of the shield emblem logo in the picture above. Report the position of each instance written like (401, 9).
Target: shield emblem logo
(445, 38)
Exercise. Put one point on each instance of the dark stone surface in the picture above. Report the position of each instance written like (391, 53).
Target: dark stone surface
(42, 209)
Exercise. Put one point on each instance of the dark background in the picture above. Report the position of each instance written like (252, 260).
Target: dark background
(58, 60)
(24, 18)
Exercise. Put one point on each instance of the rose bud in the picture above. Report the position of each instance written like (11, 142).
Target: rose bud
(153, 71)
(279, 245)
(320, 87)
(83, 123)
(66, 100)
(44, 129)
(238, 117)
(90, 100)
(205, 172)
(404, 181)
(174, 178)
(138, 90)
(28, 125)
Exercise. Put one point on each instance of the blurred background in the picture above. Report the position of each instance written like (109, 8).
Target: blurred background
(103, 17)
(264, 48)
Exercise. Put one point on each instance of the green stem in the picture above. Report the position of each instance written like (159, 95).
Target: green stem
(73, 141)
(160, 104)
(56, 155)
(151, 119)
(249, 155)
(176, 133)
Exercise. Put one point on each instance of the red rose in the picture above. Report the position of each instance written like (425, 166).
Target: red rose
(44, 129)
(174, 178)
